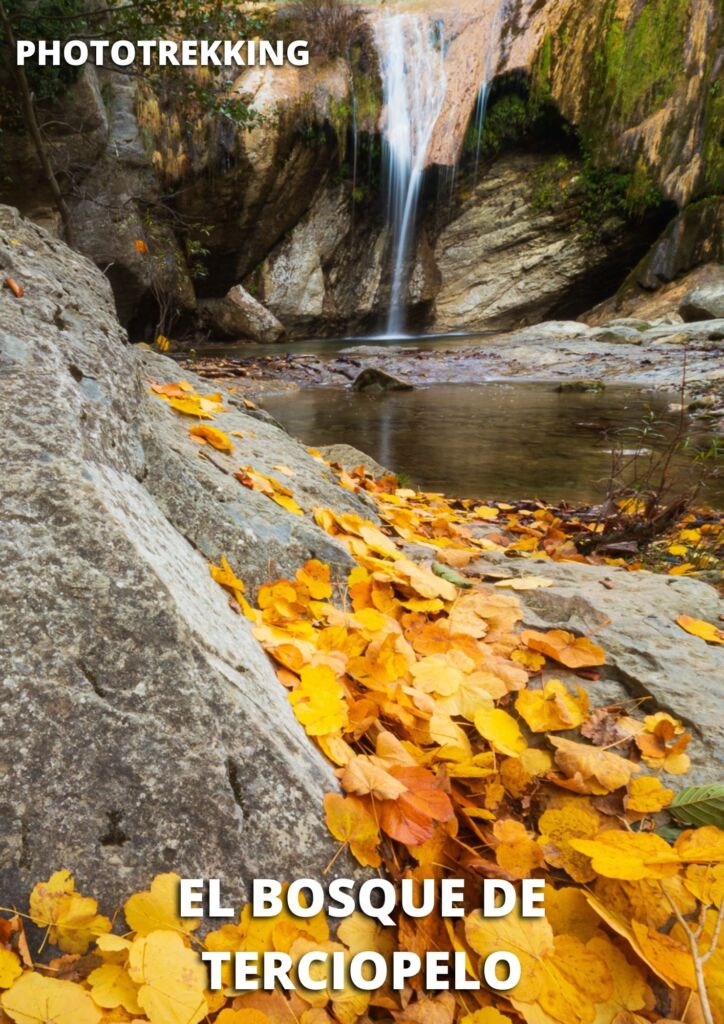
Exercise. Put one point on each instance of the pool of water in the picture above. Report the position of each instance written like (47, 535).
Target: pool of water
(493, 440)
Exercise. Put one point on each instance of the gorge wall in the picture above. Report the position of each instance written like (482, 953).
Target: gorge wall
(569, 137)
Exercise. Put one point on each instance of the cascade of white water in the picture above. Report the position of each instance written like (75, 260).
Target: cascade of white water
(411, 55)
(492, 53)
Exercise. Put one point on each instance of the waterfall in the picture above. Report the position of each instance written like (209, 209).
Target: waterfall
(411, 54)
(492, 52)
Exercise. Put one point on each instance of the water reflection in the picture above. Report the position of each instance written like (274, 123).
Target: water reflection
(486, 440)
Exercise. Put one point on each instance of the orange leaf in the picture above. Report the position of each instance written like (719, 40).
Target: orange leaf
(14, 287)
(571, 651)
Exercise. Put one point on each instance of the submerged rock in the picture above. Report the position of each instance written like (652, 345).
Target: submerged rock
(581, 386)
(373, 379)
(143, 727)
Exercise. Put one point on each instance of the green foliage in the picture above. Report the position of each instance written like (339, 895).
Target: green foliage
(642, 60)
(700, 805)
(139, 19)
(506, 122)
(713, 133)
(47, 19)
(602, 193)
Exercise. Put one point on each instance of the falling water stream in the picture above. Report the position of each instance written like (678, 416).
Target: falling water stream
(411, 53)
(411, 49)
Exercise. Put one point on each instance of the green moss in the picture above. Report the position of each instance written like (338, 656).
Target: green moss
(645, 60)
(712, 144)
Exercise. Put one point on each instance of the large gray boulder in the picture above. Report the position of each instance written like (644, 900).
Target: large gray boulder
(705, 302)
(239, 315)
(143, 727)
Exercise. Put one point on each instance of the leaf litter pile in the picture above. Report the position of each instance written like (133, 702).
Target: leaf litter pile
(460, 754)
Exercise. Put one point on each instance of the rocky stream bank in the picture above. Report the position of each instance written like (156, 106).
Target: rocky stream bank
(144, 729)
(567, 354)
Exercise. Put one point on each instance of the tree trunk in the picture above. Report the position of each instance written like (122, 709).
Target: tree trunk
(31, 123)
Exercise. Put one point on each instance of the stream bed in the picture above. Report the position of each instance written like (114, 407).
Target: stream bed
(497, 440)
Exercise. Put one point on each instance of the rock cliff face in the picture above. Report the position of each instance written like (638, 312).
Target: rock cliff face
(144, 729)
(510, 256)
(294, 210)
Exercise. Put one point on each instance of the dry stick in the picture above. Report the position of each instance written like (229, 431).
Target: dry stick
(31, 123)
(698, 958)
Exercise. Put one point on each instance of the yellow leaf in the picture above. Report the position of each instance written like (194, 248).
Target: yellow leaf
(211, 435)
(486, 513)
(111, 986)
(569, 913)
(575, 979)
(552, 708)
(524, 583)
(288, 503)
(171, 979)
(647, 796)
(435, 674)
(500, 730)
(361, 934)
(516, 852)
(349, 821)
(576, 819)
(243, 1016)
(10, 967)
(316, 577)
(701, 845)
(155, 908)
(530, 938)
(630, 990)
(318, 701)
(629, 855)
(35, 999)
(669, 958)
(704, 630)
(571, 651)
(530, 659)
(364, 776)
(488, 1015)
(592, 764)
(71, 919)
(706, 883)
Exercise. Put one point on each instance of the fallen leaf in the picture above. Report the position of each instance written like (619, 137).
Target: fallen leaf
(704, 630)
(211, 435)
(571, 651)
